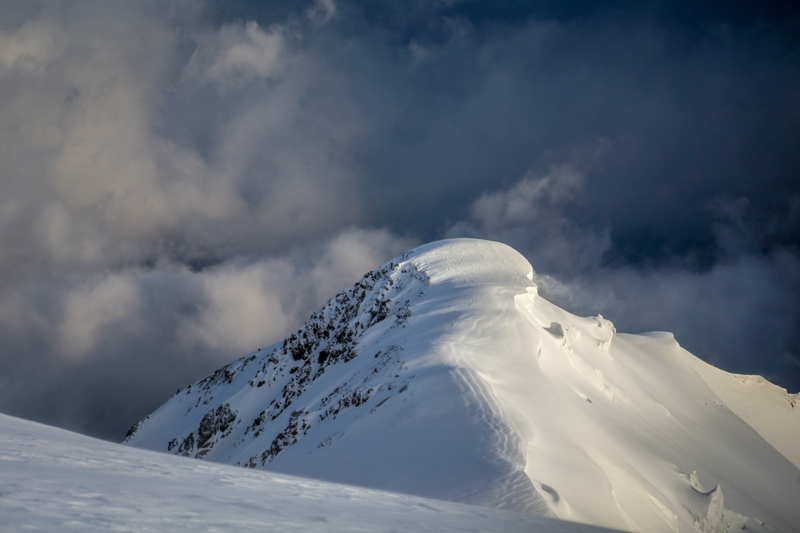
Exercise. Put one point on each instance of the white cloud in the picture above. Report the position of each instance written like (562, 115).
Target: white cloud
(525, 201)
(530, 216)
(243, 307)
(236, 54)
(351, 254)
(86, 161)
(90, 309)
(322, 11)
(30, 48)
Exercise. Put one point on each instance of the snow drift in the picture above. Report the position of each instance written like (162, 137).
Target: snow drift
(443, 374)
(57, 481)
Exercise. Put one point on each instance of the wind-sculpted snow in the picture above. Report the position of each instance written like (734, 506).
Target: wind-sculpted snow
(444, 374)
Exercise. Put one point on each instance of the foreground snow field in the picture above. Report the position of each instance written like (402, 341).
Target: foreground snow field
(444, 374)
(57, 481)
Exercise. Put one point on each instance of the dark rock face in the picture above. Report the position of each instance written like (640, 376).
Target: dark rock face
(215, 422)
(215, 425)
(287, 437)
(281, 376)
(134, 428)
(187, 446)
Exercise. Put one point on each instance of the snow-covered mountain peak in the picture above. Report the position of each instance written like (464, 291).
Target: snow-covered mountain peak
(443, 374)
(472, 262)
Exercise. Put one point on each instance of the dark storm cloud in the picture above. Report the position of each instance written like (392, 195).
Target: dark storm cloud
(678, 127)
(181, 182)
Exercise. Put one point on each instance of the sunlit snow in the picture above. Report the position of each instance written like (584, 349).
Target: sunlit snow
(444, 374)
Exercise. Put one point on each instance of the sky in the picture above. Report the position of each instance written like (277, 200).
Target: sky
(182, 182)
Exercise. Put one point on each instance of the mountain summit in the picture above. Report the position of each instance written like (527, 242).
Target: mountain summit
(444, 374)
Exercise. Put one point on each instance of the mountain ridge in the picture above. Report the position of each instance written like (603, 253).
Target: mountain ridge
(444, 374)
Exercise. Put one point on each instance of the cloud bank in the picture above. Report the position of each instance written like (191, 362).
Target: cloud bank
(183, 182)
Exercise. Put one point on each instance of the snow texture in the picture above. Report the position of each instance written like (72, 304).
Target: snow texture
(444, 374)
(57, 481)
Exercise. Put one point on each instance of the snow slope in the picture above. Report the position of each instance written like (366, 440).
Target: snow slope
(443, 374)
(57, 481)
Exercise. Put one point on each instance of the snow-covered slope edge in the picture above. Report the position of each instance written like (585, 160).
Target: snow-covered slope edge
(444, 374)
(57, 481)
